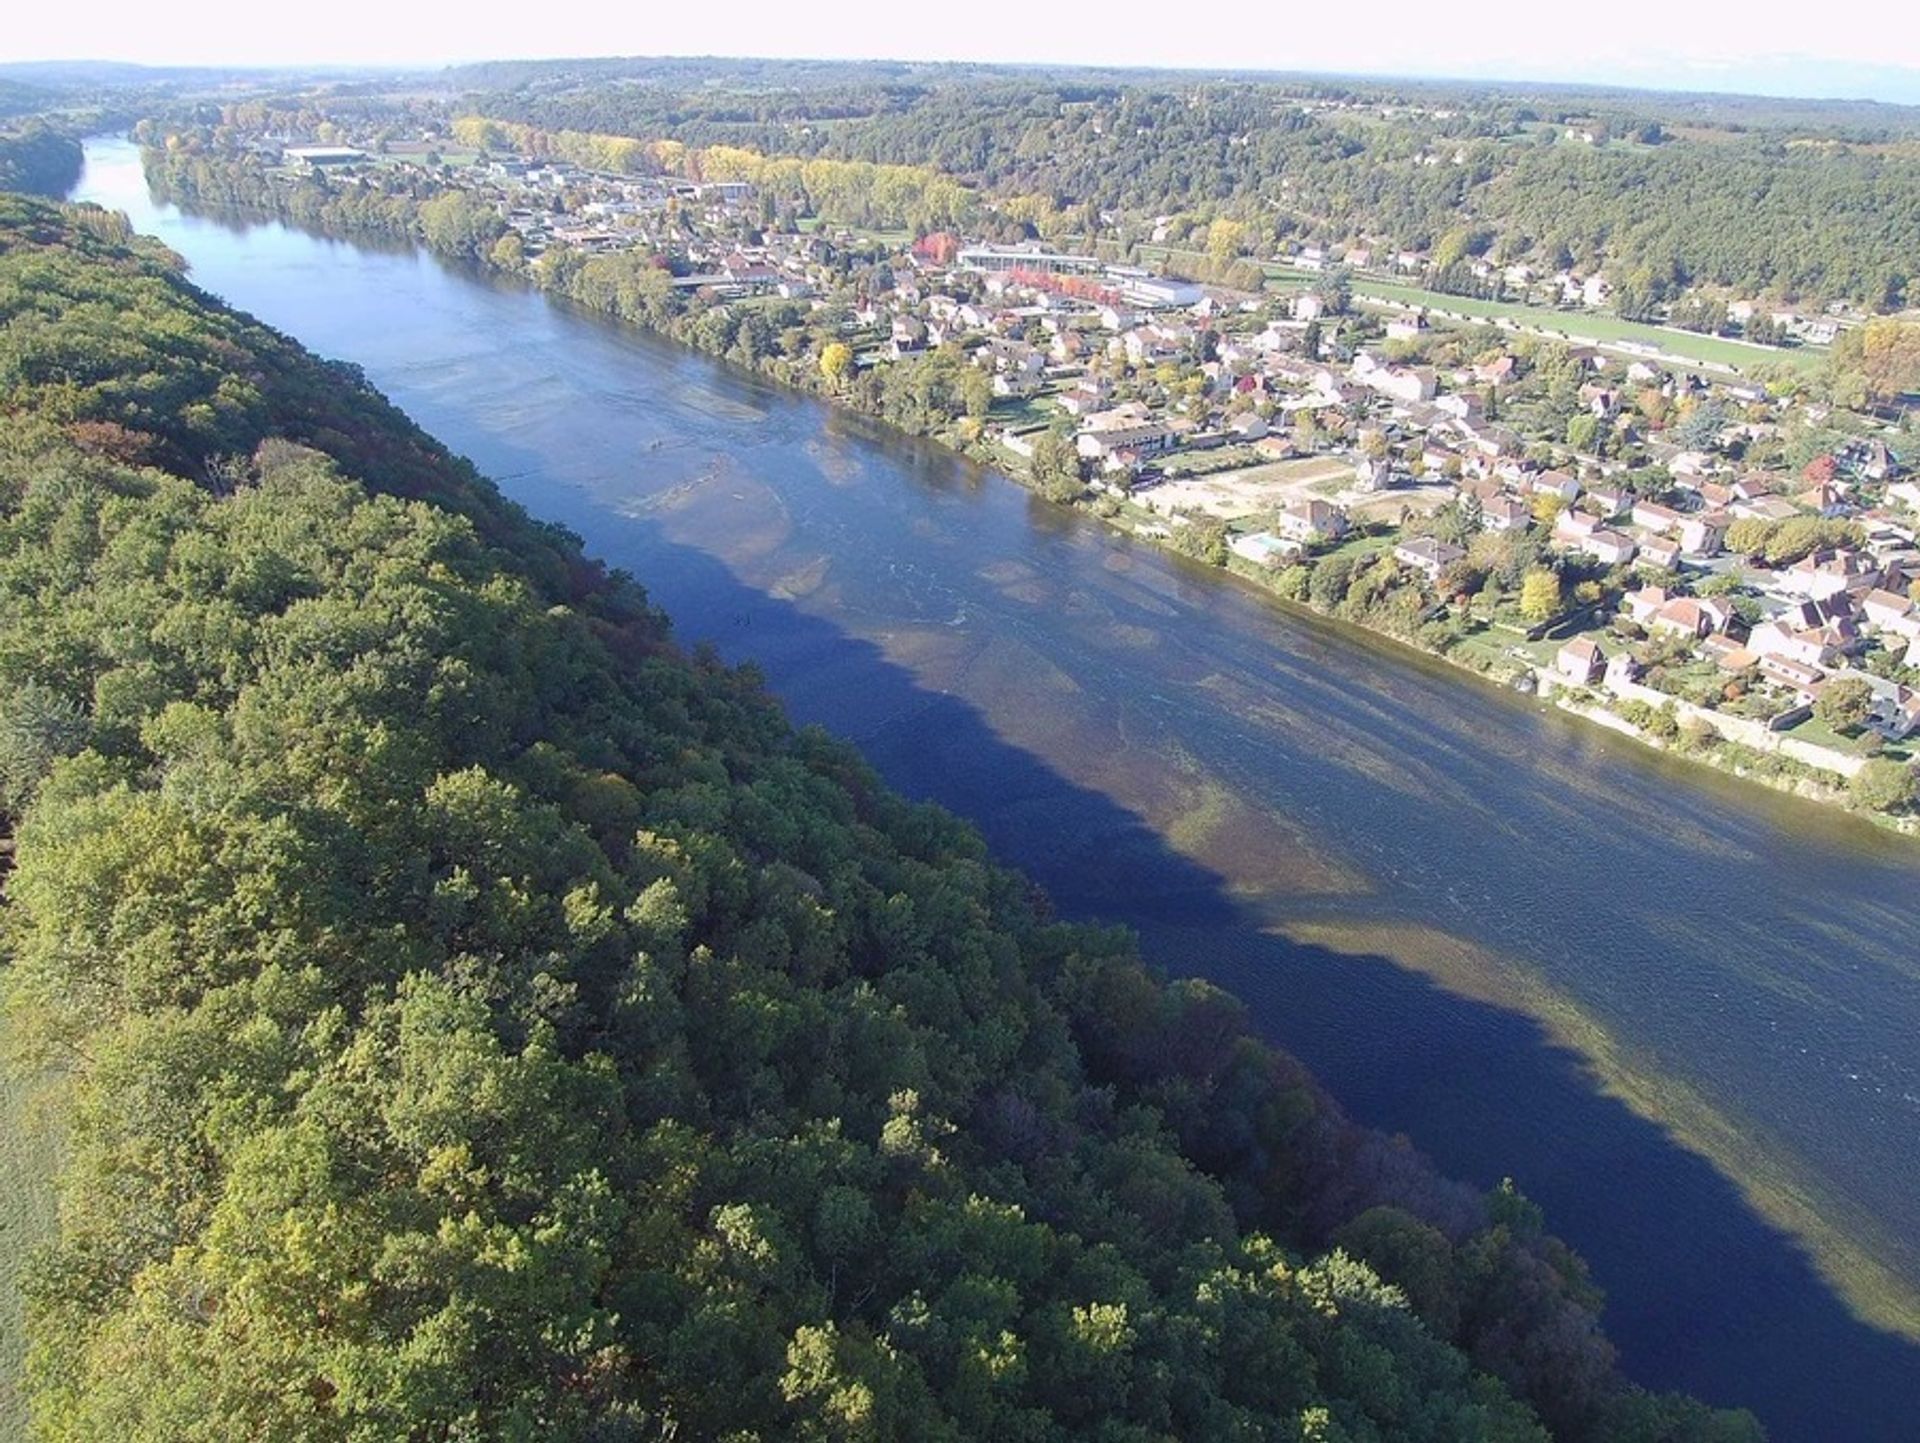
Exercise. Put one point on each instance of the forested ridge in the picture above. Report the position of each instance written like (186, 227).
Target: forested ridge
(1788, 208)
(481, 1018)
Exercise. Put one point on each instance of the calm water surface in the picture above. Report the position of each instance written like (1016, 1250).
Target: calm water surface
(1683, 1013)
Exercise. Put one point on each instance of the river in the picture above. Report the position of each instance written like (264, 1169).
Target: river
(1682, 1012)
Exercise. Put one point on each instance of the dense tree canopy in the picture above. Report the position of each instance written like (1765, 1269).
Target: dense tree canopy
(483, 1020)
(38, 160)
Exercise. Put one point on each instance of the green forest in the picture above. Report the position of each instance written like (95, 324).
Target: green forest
(38, 160)
(473, 1015)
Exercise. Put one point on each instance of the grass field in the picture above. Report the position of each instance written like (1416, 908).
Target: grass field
(1024, 413)
(1595, 327)
(29, 1153)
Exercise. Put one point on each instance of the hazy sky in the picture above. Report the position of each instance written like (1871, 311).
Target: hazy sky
(1826, 47)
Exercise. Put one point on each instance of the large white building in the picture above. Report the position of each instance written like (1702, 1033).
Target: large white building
(1029, 257)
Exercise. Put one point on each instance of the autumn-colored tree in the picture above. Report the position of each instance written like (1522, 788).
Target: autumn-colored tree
(1540, 594)
(1224, 239)
(1884, 355)
(836, 360)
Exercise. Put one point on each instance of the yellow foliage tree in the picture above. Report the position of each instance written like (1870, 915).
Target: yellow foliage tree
(1540, 594)
(835, 361)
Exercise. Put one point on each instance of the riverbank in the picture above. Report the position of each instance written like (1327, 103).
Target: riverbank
(919, 398)
(1775, 770)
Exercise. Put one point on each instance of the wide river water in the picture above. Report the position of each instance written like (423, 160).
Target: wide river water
(1682, 1012)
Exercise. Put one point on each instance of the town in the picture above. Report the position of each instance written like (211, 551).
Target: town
(1717, 560)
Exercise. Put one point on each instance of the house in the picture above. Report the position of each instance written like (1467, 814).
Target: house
(1308, 307)
(1811, 615)
(1692, 616)
(1829, 498)
(1084, 397)
(1803, 647)
(1660, 551)
(1572, 528)
(1109, 443)
(1555, 483)
(1891, 611)
(1867, 458)
(1428, 555)
(1622, 671)
(1613, 501)
(909, 336)
(1652, 516)
(1830, 573)
(1312, 520)
(747, 273)
(1727, 653)
(1496, 372)
(1505, 513)
(1580, 661)
(1403, 383)
(1608, 547)
(1753, 486)
(1131, 427)
(1407, 328)
(1805, 681)
(1490, 440)
(1896, 708)
(1703, 533)
(1370, 474)
(1764, 508)
(1600, 399)
(1642, 605)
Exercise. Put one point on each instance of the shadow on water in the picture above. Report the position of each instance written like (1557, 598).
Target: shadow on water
(1705, 1294)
